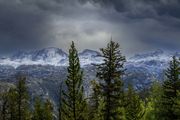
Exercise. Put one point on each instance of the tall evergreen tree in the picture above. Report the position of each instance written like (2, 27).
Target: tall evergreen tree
(3, 106)
(17, 102)
(48, 110)
(12, 104)
(98, 115)
(95, 103)
(22, 99)
(73, 102)
(110, 74)
(42, 110)
(176, 107)
(152, 105)
(170, 91)
(38, 112)
(134, 106)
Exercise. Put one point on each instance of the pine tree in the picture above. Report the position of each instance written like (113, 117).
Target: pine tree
(73, 102)
(42, 110)
(38, 112)
(16, 104)
(110, 74)
(170, 91)
(95, 102)
(152, 106)
(176, 107)
(48, 110)
(98, 115)
(134, 107)
(3, 106)
(12, 104)
(22, 99)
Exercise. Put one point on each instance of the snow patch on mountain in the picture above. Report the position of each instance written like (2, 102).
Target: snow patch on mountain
(46, 56)
(56, 57)
(49, 56)
(150, 64)
(88, 57)
(154, 58)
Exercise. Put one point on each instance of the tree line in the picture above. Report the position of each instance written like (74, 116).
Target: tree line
(109, 98)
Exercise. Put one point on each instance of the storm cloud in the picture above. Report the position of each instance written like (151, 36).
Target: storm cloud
(137, 25)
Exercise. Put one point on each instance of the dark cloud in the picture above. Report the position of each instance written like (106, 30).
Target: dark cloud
(27, 23)
(155, 23)
(91, 23)
(21, 25)
(143, 8)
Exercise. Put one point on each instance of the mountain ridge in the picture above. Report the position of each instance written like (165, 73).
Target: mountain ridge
(44, 77)
(57, 57)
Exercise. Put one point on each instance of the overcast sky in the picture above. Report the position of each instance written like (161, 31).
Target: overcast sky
(138, 25)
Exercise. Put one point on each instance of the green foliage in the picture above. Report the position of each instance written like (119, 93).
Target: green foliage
(48, 110)
(12, 104)
(96, 103)
(42, 110)
(170, 91)
(22, 99)
(38, 113)
(4, 106)
(73, 105)
(98, 115)
(111, 86)
(152, 106)
(134, 107)
(163, 100)
(149, 111)
(176, 106)
(15, 102)
(121, 113)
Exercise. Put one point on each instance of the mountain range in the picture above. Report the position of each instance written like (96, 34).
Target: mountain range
(47, 68)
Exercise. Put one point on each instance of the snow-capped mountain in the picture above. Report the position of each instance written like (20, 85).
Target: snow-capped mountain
(47, 68)
(153, 61)
(57, 57)
(21, 55)
(88, 57)
(157, 59)
(46, 56)
(152, 55)
(49, 56)
(143, 68)
(42, 54)
(89, 53)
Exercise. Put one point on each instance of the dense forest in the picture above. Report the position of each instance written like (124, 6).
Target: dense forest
(109, 98)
